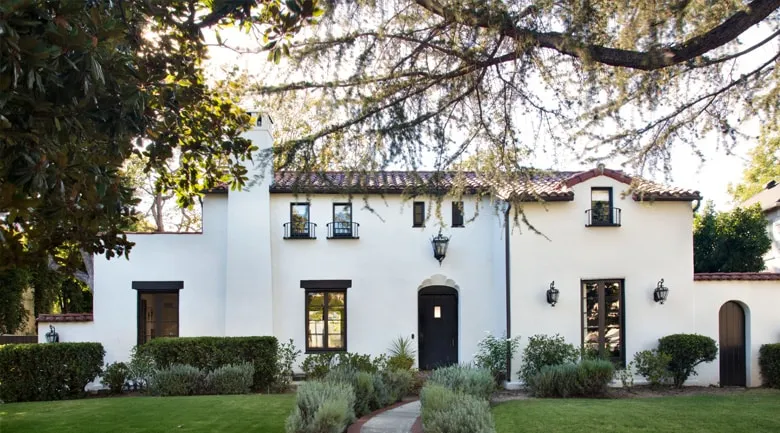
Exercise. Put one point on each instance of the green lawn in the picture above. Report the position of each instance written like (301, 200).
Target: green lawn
(752, 411)
(202, 414)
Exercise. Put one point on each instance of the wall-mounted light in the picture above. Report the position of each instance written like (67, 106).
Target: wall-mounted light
(552, 294)
(52, 336)
(439, 243)
(661, 292)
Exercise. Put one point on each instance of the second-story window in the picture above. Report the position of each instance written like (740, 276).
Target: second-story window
(342, 220)
(418, 218)
(457, 214)
(601, 206)
(299, 220)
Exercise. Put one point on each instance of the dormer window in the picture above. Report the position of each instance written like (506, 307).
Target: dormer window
(602, 211)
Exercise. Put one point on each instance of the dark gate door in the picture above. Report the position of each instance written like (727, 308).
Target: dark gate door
(732, 345)
(438, 327)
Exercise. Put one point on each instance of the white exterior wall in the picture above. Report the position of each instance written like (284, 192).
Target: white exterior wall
(772, 257)
(69, 332)
(759, 300)
(387, 266)
(654, 242)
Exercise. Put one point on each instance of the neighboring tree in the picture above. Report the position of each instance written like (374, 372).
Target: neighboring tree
(13, 283)
(732, 241)
(764, 166)
(411, 82)
(83, 81)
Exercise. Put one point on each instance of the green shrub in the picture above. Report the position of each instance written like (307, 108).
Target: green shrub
(317, 366)
(177, 379)
(543, 350)
(141, 367)
(322, 407)
(687, 351)
(769, 363)
(492, 353)
(362, 362)
(626, 376)
(285, 358)
(210, 353)
(362, 384)
(35, 372)
(654, 367)
(589, 378)
(115, 376)
(466, 379)
(446, 411)
(401, 354)
(382, 396)
(230, 379)
(399, 384)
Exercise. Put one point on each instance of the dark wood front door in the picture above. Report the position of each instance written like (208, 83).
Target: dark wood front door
(438, 328)
(732, 345)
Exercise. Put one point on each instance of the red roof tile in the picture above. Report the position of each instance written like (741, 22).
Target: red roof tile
(69, 317)
(737, 276)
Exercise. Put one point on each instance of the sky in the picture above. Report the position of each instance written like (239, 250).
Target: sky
(710, 176)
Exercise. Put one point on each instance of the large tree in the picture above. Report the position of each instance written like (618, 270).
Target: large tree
(732, 241)
(763, 167)
(414, 82)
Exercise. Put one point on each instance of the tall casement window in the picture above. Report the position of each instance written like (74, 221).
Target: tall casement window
(326, 320)
(158, 309)
(299, 220)
(342, 220)
(601, 206)
(603, 330)
(418, 214)
(457, 214)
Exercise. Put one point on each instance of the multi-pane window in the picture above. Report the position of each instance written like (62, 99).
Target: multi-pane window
(418, 216)
(457, 214)
(342, 220)
(602, 320)
(299, 220)
(158, 315)
(326, 320)
(601, 206)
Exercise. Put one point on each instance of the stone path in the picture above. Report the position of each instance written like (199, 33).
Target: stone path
(397, 420)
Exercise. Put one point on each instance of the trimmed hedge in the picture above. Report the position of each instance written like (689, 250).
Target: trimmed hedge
(687, 351)
(37, 372)
(211, 353)
(769, 363)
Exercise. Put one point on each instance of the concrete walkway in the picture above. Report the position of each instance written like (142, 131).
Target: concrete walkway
(397, 420)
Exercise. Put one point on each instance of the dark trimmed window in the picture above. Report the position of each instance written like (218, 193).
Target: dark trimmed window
(158, 315)
(603, 320)
(299, 220)
(457, 214)
(326, 320)
(601, 206)
(418, 214)
(342, 220)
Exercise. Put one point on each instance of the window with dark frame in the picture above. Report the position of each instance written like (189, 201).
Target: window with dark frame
(299, 220)
(342, 220)
(158, 315)
(457, 214)
(601, 206)
(603, 320)
(418, 214)
(326, 320)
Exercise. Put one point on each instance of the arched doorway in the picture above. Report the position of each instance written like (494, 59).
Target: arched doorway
(733, 366)
(437, 326)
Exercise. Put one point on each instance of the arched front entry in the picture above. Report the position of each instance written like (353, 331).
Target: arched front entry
(437, 326)
(733, 366)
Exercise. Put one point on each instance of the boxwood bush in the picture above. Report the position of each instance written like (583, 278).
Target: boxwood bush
(210, 353)
(448, 411)
(36, 372)
(687, 351)
(769, 363)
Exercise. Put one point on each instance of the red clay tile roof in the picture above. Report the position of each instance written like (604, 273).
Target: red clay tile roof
(70, 317)
(547, 185)
(737, 276)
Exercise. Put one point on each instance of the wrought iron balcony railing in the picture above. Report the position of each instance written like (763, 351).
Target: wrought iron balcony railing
(343, 230)
(603, 217)
(300, 230)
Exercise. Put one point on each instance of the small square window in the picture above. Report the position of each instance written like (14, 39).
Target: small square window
(437, 312)
(457, 214)
(418, 214)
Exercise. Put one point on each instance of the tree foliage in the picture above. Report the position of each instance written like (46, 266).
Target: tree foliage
(85, 84)
(764, 166)
(13, 283)
(732, 241)
(414, 82)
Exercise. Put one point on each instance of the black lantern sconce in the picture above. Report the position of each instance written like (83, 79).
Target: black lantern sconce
(439, 243)
(552, 295)
(661, 292)
(52, 336)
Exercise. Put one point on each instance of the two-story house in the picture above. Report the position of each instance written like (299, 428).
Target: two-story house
(769, 200)
(341, 262)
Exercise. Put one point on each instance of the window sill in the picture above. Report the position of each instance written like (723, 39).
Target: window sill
(299, 237)
(316, 351)
(459, 226)
(603, 225)
(418, 227)
(343, 237)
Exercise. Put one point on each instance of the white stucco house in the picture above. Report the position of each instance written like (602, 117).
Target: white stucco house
(339, 271)
(769, 200)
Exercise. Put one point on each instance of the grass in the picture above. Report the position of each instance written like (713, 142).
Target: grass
(201, 414)
(751, 411)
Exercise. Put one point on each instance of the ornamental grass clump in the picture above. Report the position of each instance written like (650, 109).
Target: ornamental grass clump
(478, 382)
(322, 407)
